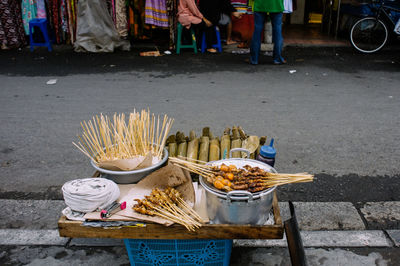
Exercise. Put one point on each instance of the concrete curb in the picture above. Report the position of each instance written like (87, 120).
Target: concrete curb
(366, 238)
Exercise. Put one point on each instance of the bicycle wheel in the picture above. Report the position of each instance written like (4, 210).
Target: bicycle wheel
(368, 35)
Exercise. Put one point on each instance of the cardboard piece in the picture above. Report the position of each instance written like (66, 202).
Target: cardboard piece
(168, 176)
(124, 189)
(122, 164)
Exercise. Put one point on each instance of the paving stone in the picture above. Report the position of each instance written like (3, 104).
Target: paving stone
(326, 239)
(334, 257)
(314, 257)
(395, 236)
(31, 237)
(345, 239)
(316, 216)
(96, 242)
(382, 215)
(30, 214)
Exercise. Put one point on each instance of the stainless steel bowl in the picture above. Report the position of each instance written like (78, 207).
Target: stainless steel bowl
(238, 206)
(131, 177)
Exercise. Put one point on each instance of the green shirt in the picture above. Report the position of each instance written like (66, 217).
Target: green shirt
(273, 6)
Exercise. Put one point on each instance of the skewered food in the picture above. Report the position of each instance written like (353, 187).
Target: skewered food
(169, 205)
(252, 179)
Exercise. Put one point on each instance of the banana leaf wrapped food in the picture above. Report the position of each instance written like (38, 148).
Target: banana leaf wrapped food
(214, 150)
(204, 148)
(182, 145)
(225, 146)
(193, 147)
(172, 146)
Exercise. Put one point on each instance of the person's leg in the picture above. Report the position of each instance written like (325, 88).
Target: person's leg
(209, 32)
(210, 35)
(259, 18)
(276, 20)
(229, 34)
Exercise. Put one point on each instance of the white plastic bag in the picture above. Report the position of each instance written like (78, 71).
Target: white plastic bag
(95, 29)
(287, 6)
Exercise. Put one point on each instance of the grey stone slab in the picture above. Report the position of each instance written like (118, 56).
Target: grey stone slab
(30, 214)
(326, 239)
(316, 216)
(314, 257)
(31, 237)
(394, 236)
(368, 238)
(382, 215)
(64, 256)
(334, 257)
(96, 242)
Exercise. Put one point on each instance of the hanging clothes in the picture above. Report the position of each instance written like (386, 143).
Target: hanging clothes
(156, 13)
(41, 9)
(139, 29)
(63, 16)
(172, 19)
(12, 34)
(241, 6)
(28, 13)
(70, 4)
(121, 19)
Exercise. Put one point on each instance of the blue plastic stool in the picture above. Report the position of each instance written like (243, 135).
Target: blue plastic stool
(40, 23)
(216, 45)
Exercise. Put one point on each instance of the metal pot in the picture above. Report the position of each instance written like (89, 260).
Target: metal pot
(131, 177)
(238, 206)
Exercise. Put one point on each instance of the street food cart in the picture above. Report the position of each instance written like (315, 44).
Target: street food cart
(230, 213)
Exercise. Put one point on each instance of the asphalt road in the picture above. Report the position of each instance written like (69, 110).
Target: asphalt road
(336, 116)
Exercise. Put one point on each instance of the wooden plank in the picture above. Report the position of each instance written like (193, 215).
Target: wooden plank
(155, 231)
(276, 210)
(75, 229)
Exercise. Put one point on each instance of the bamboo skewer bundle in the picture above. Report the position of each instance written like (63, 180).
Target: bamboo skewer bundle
(105, 139)
(250, 179)
(169, 205)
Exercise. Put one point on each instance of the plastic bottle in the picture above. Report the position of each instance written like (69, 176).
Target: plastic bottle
(267, 154)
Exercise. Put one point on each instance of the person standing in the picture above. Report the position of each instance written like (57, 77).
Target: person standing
(275, 10)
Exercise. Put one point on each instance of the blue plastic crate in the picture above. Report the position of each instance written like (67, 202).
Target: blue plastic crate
(144, 252)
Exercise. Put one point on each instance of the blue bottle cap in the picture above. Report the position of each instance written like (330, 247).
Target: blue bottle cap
(267, 151)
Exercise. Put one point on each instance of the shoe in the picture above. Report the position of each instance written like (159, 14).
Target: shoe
(212, 50)
(249, 62)
(280, 62)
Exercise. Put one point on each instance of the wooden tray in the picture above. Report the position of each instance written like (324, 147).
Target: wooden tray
(75, 229)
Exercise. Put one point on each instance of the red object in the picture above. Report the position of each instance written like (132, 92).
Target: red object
(243, 27)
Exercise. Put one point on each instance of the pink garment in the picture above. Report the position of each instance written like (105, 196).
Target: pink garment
(188, 13)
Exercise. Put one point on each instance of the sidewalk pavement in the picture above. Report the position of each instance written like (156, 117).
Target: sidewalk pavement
(333, 233)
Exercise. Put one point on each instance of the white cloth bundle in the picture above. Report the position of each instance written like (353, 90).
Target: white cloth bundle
(90, 194)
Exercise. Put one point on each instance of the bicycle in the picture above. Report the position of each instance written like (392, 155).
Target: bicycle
(370, 34)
